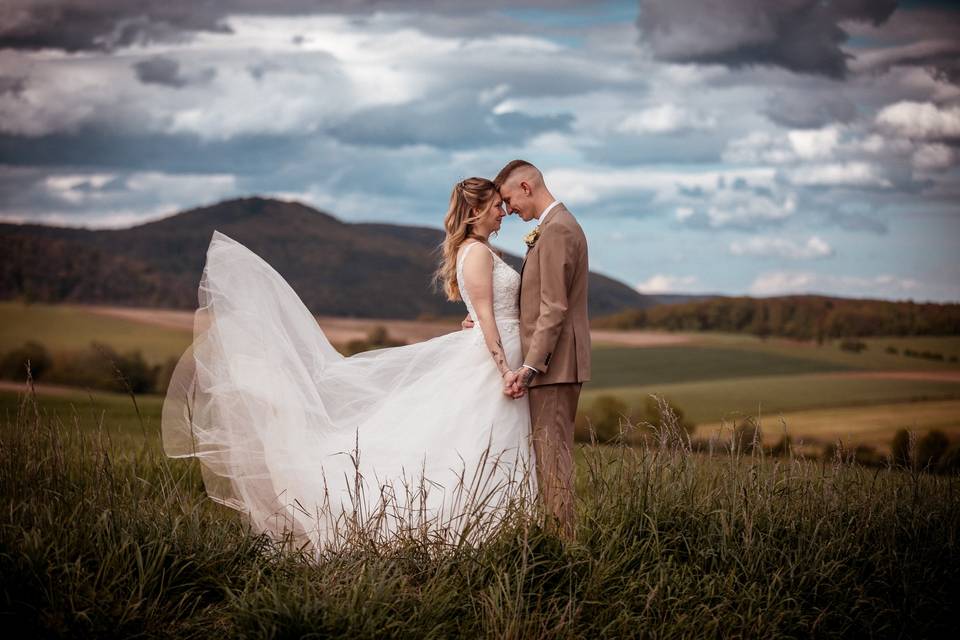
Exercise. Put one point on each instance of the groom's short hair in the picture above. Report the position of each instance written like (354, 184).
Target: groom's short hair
(510, 167)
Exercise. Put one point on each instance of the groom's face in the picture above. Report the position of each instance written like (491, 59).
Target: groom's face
(518, 199)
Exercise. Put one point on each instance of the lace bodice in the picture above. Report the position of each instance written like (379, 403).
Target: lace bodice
(506, 290)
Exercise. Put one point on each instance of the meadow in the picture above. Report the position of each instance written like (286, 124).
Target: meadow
(103, 536)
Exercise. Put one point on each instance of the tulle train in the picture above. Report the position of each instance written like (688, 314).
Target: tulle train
(315, 448)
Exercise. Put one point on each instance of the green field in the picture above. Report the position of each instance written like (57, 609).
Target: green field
(115, 412)
(624, 367)
(949, 346)
(69, 328)
(711, 401)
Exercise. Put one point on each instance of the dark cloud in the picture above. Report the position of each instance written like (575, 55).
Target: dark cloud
(941, 56)
(77, 25)
(802, 111)
(104, 25)
(454, 122)
(13, 85)
(684, 147)
(166, 71)
(800, 35)
(927, 35)
(102, 148)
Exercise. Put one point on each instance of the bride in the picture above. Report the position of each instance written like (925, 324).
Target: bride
(315, 448)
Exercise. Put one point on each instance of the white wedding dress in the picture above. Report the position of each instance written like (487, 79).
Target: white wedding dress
(314, 447)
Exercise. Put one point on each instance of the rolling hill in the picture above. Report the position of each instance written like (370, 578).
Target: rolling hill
(337, 268)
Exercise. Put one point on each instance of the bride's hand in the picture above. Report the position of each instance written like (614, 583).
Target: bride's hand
(509, 380)
(521, 382)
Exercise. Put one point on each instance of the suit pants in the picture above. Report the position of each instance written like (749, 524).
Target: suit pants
(553, 408)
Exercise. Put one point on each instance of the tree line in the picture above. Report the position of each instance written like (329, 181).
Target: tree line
(801, 317)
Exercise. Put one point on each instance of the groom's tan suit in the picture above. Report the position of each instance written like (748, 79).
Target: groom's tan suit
(555, 337)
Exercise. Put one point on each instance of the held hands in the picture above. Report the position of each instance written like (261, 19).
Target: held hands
(515, 383)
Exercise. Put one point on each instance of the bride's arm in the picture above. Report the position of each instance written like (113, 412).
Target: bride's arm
(478, 279)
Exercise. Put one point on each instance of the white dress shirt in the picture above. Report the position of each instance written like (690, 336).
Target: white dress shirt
(543, 216)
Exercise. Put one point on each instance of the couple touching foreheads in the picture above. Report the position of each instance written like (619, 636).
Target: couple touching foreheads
(309, 443)
(551, 301)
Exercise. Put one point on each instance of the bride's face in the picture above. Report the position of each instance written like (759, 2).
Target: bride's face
(491, 216)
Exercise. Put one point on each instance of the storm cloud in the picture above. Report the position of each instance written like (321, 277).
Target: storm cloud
(804, 36)
(165, 71)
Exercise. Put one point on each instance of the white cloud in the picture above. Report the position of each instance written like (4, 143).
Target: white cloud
(814, 143)
(212, 185)
(876, 144)
(933, 157)
(798, 282)
(759, 147)
(920, 120)
(743, 207)
(663, 283)
(586, 186)
(77, 188)
(765, 246)
(838, 174)
(106, 200)
(113, 218)
(665, 118)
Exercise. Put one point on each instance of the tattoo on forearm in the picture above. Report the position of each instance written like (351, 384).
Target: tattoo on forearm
(526, 375)
(499, 357)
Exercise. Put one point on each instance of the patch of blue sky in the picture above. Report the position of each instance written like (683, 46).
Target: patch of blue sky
(565, 22)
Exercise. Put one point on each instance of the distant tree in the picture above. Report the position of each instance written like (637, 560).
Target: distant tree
(377, 338)
(378, 335)
(931, 448)
(950, 461)
(13, 365)
(746, 435)
(782, 448)
(163, 373)
(129, 370)
(605, 416)
(653, 415)
(900, 448)
(801, 317)
(856, 346)
(830, 452)
(867, 455)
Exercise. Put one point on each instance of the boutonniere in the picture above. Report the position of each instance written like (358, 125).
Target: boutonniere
(531, 238)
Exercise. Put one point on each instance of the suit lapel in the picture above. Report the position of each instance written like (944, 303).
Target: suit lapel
(524, 263)
(550, 218)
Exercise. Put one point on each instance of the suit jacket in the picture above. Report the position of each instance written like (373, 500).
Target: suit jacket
(554, 328)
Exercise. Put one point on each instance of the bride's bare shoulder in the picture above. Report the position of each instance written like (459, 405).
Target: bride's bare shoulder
(474, 262)
(463, 248)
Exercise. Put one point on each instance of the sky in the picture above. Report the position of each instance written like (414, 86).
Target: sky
(743, 147)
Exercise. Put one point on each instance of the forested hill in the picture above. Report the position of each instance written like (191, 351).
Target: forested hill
(362, 270)
(803, 317)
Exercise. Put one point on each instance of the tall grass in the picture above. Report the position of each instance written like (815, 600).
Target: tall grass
(109, 538)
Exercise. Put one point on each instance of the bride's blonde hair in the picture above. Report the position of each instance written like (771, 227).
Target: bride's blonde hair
(468, 199)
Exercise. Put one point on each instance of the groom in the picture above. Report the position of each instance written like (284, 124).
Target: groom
(554, 332)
